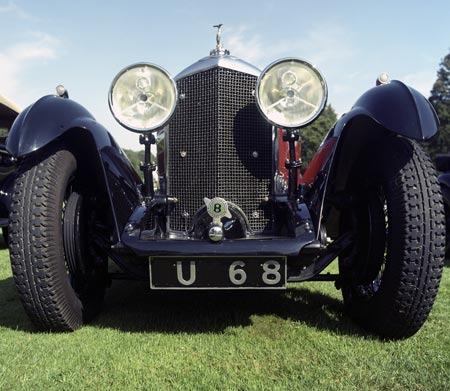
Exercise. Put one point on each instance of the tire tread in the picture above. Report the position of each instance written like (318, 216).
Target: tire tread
(37, 262)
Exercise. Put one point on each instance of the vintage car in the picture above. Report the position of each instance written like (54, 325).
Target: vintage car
(8, 113)
(230, 209)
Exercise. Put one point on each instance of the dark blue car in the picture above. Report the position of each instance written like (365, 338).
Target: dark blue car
(231, 210)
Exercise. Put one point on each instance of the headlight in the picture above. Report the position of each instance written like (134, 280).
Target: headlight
(143, 97)
(291, 93)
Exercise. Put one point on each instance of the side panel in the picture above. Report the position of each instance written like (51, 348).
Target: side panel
(122, 182)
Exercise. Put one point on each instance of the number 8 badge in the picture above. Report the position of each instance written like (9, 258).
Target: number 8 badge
(217, 208)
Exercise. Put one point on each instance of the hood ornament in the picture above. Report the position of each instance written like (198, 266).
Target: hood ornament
(219, 50)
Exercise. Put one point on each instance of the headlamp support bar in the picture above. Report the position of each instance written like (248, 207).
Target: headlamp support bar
(292, 136)
(147, 168)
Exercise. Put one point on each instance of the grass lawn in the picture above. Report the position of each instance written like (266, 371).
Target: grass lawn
(296, 340)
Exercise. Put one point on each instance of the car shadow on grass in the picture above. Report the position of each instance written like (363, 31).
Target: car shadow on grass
(12, 314)
(131, 307)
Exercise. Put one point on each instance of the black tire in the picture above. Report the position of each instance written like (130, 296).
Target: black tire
(59, 291)
(391, 275)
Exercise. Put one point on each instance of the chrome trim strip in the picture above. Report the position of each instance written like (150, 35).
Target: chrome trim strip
(223, 61)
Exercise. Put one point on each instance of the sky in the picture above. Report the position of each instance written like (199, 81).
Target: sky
(84, 44)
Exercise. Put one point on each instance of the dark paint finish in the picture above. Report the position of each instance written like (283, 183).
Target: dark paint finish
(47, 119)
(400, 109)
(122, 182)
(243, 247)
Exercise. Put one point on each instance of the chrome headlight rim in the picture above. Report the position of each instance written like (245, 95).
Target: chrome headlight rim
(319, 76)
(159, 125)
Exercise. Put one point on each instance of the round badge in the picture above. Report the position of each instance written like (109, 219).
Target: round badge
(218, 208)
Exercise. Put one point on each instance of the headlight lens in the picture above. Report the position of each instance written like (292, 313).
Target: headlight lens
(291, 93)
(143, 97)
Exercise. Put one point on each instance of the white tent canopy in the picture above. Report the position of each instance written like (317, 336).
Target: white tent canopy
(8, 108)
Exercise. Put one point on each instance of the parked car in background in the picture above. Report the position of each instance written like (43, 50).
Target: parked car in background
(231, 210)
(8, 113)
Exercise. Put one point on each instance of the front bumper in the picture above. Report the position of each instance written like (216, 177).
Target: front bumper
(251, 246)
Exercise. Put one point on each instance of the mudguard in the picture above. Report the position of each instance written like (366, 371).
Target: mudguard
(397, 108)
(392, 107)
(55, 119)
(47, 119)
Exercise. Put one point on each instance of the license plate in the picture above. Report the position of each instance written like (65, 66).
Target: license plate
(218, 272)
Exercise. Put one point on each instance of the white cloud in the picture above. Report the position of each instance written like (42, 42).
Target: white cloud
(326, 44)
(12, 8)
(247, 46)
(17, 58)
(321, 45)
(40, 46)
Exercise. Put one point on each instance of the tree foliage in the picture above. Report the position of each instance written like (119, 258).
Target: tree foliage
(440, 99)
(312, 135)
(136, 157)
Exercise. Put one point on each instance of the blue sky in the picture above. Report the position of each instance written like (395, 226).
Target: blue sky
(83, 44)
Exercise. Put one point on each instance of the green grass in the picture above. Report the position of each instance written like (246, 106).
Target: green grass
(300, 339)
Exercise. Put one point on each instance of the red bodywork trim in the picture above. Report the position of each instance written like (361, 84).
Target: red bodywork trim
(318, 161)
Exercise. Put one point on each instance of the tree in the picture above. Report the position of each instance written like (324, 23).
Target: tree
(136, 157)
(312, 135)
(440, 99)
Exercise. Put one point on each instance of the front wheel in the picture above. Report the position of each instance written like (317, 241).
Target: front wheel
(390, 277)
(59, 278)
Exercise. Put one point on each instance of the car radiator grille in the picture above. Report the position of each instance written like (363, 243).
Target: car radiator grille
(219, 146)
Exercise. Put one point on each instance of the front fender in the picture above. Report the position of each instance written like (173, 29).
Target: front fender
(391, 108)
(102, 164)
(397, 108)
(46, 120)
